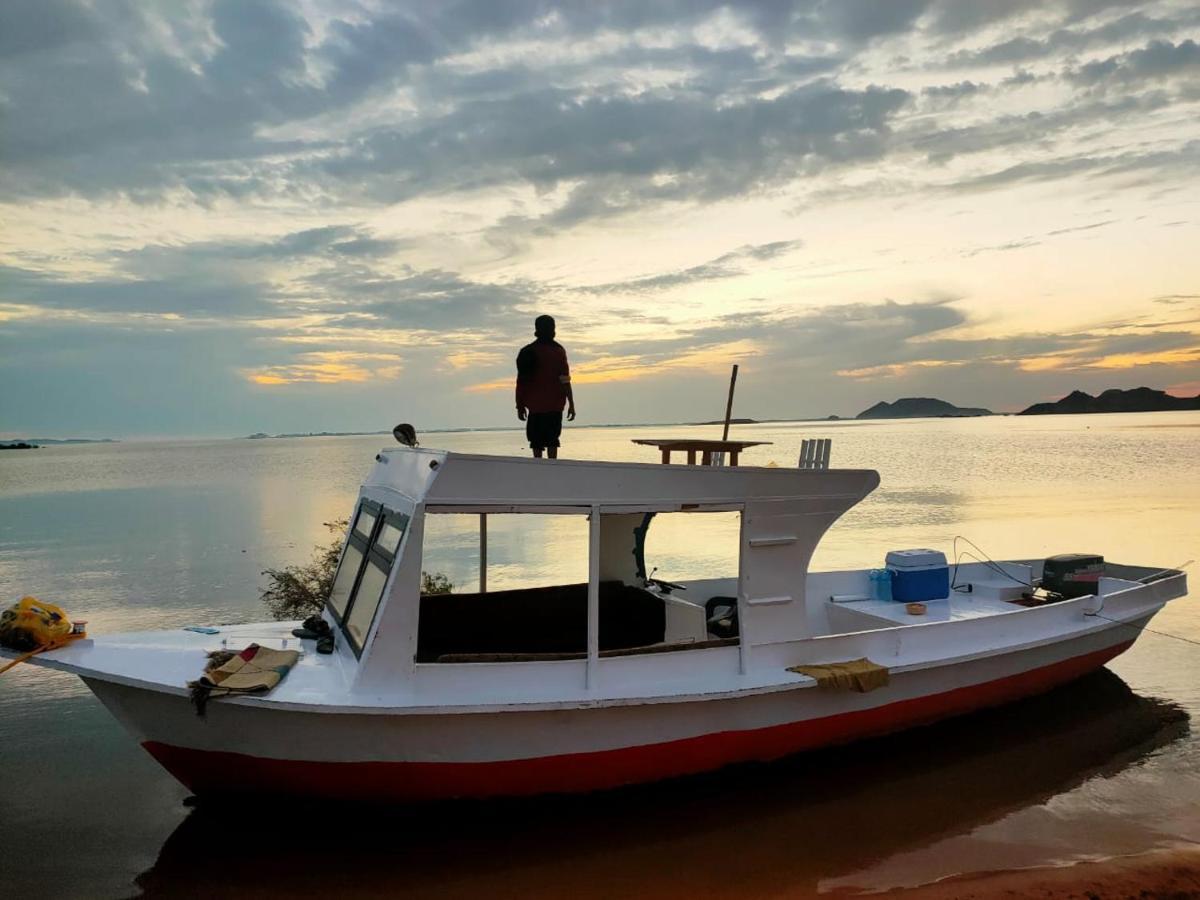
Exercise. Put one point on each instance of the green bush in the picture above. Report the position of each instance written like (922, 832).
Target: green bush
(435, 583)
(297, 592)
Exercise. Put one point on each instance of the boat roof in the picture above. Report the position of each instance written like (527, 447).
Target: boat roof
(463, 481)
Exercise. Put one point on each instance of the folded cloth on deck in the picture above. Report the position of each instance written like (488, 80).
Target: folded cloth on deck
(254, 670)
(860, 675)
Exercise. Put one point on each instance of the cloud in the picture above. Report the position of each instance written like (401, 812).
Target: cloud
(213, 294)
(1160, 161)
(198, 114)
(1074, 228)
(1025, 49)
(329, 367)
(727, 265)
(619, 152)
(332, 200)
(1156, 61)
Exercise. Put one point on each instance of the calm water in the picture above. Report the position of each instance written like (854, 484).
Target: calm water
(139, 536)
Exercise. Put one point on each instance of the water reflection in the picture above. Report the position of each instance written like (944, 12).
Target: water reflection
(758, 829)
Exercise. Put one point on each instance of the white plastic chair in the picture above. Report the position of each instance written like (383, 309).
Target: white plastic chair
(814, 453)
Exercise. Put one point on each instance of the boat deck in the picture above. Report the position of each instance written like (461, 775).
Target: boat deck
(950, 629)
(957, 607)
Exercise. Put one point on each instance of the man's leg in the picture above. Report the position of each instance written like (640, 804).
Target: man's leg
(553, 431)
(533, 435)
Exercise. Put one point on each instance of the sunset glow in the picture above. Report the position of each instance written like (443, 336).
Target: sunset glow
(338, 214)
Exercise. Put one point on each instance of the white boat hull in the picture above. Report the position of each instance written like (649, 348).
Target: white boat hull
(389, 756)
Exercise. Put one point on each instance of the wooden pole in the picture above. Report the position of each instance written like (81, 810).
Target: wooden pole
(729, 403)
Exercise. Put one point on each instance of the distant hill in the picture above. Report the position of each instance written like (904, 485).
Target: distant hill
(920, 408)
(1141, 399)
(41, 442)
(261, 435)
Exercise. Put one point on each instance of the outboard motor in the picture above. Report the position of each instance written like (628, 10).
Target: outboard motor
(1073, 574)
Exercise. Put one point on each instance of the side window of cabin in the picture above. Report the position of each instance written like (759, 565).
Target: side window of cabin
(371, 550)
(668, 580)
(528, 600)
(350, 567)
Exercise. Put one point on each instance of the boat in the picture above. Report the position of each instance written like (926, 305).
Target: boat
(622, 679)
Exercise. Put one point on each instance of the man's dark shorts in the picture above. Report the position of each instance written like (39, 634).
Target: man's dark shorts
(543, 429)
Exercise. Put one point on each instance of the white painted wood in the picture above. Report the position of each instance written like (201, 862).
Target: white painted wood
(483, 553)
(593, 600)
(744, 621)
(814, 453)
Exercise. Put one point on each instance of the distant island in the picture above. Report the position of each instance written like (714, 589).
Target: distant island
(920, 408)
(33, 443)
(1141, 399)
(731, 422)
(260, 435)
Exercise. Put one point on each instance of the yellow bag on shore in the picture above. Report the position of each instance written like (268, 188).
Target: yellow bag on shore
(29, 624)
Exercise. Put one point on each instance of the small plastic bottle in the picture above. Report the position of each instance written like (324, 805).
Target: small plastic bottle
(881, 584)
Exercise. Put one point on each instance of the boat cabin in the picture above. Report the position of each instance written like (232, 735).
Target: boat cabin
(621, 615)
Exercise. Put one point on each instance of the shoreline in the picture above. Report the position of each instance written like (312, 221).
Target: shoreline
(1153, 875)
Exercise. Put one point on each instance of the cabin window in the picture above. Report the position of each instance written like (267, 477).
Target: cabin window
(366, 602)
(364, 523)
(521, 584)
(528, 598)
(524, 550)
(362, 575)
(694, 545)
(687, 562)
(350, 566)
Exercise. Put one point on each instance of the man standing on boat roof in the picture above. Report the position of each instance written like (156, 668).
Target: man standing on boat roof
(543, 389)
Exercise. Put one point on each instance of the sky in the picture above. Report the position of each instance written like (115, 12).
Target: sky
(219, 218)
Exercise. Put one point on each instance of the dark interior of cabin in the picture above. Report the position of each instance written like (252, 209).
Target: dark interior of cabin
(545, 620)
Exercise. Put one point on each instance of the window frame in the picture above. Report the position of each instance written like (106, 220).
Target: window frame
(371, 554)
(593, 655)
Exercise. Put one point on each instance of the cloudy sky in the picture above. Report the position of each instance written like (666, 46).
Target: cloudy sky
(225, 217)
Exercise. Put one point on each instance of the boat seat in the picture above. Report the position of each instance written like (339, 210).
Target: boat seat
(537, 621)
(814, 453)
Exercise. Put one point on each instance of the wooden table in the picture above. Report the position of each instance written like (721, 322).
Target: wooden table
(691, 447)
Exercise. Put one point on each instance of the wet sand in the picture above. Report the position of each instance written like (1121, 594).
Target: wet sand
(1161, 875)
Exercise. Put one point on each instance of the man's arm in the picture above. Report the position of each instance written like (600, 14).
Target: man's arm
(565, 380)
(521, 405)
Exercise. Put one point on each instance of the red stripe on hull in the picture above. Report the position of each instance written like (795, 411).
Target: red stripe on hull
(209, 771)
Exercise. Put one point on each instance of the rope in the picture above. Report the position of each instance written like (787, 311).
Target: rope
(1177, 637)
(53, 645)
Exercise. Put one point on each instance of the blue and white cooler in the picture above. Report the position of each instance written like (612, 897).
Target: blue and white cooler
(918, 575)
